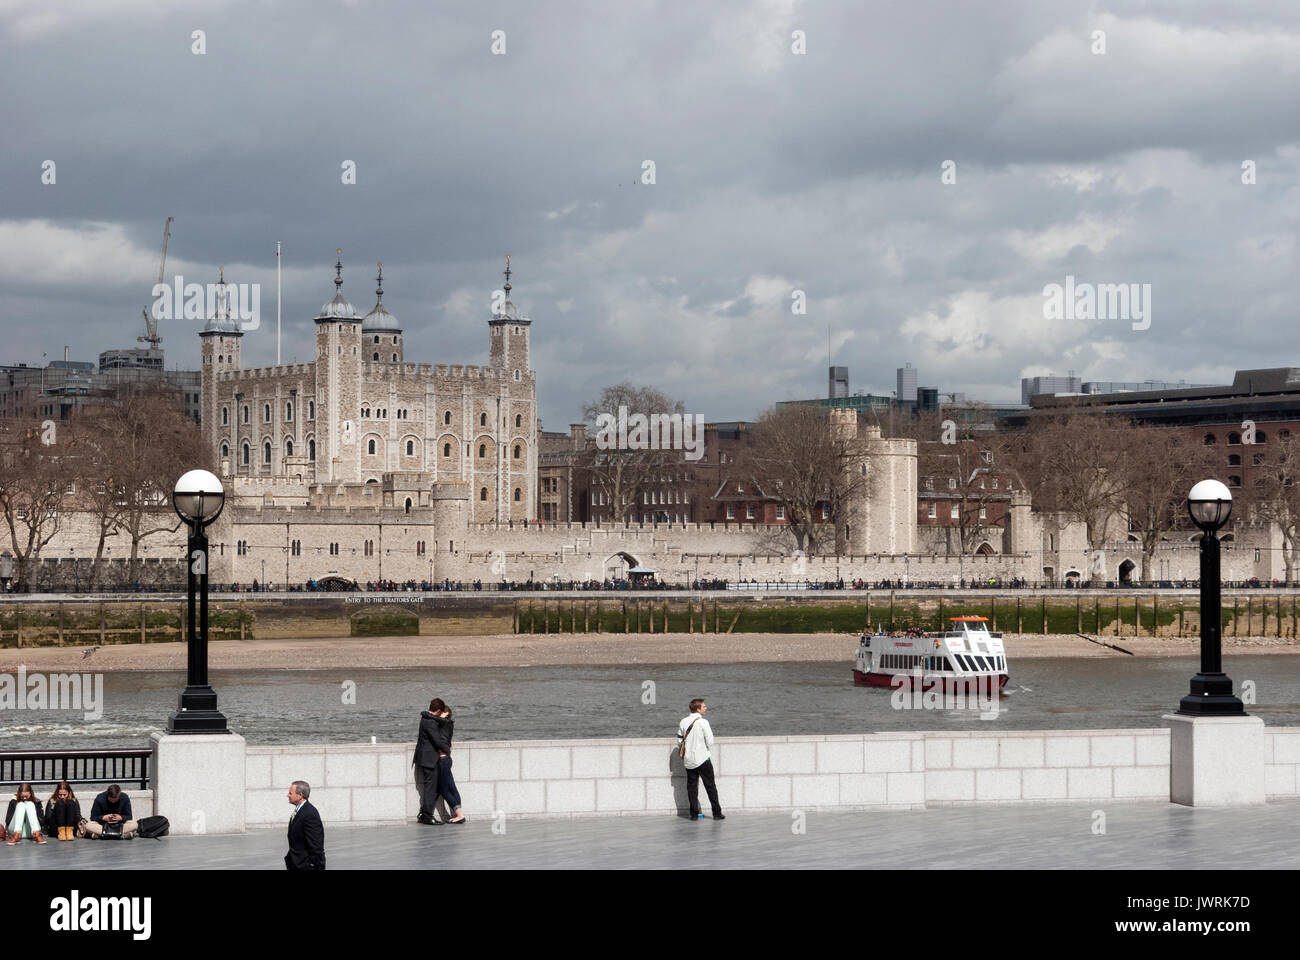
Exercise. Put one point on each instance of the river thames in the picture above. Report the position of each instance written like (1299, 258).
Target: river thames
(641, 700)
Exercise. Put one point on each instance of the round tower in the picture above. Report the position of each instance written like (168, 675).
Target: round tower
(450, 503)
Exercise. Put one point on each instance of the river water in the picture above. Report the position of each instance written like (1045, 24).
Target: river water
(568, 702)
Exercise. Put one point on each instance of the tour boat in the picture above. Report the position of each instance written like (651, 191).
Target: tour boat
(951, 659)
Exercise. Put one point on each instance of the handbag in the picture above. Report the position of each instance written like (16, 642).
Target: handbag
(112, 831)
(681, 750)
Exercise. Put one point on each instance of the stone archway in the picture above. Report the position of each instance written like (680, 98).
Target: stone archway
(618, 565)
(1126, 571)
(336, 584)
(985, 549)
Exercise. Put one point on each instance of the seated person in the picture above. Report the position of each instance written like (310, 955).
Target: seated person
(111, 806)
(23, 818)
(63, 812)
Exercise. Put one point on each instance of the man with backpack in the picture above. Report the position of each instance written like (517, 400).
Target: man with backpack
(695, 740)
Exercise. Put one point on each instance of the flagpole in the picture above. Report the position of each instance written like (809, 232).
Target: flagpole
(277, 303)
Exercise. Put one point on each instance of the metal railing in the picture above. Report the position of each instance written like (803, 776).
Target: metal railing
(76, 766)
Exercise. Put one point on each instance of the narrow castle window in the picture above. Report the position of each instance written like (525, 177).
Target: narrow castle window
(482, 494)
(370, 447)
(225, 416)
(410, 448)
(446, 449)
(446, 417)
(482, 420)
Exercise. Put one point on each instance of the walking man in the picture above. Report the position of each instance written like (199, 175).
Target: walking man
(306, 832)
(695, 739)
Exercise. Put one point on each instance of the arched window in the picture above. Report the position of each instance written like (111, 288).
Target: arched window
(1234, 481)
(519, 421)
(266, 453)
(446, 417)
(225, 416)
(288, 411)
(1234, 460)
(376, 338)
(516, 451)
(311, 448)
(394, 358)
(370, 447)
(516, 494)
(288, 448)
(245, 453)
(410, 448)
(482, 419)
(1233, 439)
(1211, 439)
(225, 451)
(482, 494)
(1261, 436)
(446, 449)
(246, 413)
(376, 355)
(311, 409)
(408, 504)
(266, 413)
(482, 450)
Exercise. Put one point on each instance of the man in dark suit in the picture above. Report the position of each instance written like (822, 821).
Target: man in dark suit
(427, 751)
(306, 832)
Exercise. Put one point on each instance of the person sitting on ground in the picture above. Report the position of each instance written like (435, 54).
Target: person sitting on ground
(63, 812)
(23, 818)
(111, 809)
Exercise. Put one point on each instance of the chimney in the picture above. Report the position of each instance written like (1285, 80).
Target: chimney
(65, 353)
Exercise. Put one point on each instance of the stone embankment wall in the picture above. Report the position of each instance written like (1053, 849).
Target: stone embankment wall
(367, 784)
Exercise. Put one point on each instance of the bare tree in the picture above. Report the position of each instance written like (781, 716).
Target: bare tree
(34, 479)
(959, 462)
(816, 469)
(150, 443)
(1076, 464)
(630, 456)
(1277, 495)
(1161, 467)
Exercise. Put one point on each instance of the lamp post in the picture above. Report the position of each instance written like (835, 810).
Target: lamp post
(198, 500)
(1209, 504)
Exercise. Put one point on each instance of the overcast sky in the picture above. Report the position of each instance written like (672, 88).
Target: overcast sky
(775, 172)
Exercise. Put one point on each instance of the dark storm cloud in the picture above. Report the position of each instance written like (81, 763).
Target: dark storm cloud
(775, 172)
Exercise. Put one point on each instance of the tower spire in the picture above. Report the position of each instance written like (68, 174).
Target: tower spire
(338, 271)
(379, 282)
(507, 273)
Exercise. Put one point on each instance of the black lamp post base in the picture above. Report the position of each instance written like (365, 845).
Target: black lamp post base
(197, 721)
(198, 713)
(1211, 696)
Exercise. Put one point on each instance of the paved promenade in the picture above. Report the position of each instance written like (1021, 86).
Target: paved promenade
(1138, 836)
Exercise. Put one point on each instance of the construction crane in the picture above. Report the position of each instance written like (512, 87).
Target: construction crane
(150, 322)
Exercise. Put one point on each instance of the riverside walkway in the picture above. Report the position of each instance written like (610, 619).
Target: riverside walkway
(1148, 836)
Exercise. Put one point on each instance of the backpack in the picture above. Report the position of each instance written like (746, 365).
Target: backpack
(153, 828)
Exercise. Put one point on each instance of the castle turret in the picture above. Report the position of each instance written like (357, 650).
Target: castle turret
(220, 341)
(381, 335)
(509, 336)
(338, 378)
